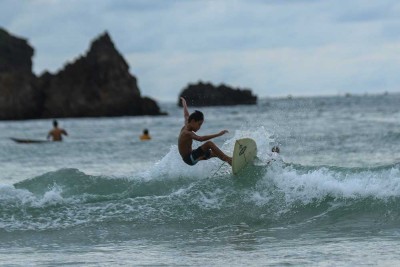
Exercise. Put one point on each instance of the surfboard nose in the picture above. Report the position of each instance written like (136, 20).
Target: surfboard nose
(244, 152)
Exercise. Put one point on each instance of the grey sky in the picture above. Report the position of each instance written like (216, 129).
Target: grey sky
(275, 48)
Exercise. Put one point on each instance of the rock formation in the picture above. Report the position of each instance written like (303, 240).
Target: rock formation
(95, 85)
(20, 98)
(206, 94)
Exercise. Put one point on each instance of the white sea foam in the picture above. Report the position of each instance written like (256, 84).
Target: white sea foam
(52, 197)
(171, 166)
(322, 182)
(9, 195)
(211, 200)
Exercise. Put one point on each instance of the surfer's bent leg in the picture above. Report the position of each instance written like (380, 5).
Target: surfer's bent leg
(216, 151)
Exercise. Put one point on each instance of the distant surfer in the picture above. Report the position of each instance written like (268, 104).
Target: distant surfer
(56, 133)
(145, 136)
(276, 149)
(207, 150)
(275, 155)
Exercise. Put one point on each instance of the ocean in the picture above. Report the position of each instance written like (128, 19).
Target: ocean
(103, 198)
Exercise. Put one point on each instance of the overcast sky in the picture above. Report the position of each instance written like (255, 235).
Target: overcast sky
(275, 48)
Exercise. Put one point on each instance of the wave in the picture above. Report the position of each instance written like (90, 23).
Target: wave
(273, 194)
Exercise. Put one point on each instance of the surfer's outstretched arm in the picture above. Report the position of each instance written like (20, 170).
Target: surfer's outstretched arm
(185, 110)
(207, 137)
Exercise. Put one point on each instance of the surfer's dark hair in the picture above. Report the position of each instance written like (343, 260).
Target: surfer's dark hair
(55, 123)
(196, 116)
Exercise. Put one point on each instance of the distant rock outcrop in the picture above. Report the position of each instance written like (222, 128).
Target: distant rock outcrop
(95, 85)
(20, 98)
(206, 94)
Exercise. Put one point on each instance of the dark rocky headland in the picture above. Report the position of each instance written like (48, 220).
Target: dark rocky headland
(97, 84)
(206, 94)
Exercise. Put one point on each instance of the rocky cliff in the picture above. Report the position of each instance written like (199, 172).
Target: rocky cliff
(95, 85)
(20, 97)
(206, 94)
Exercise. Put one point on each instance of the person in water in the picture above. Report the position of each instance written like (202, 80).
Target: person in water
(145, 136)
(207, 150)
(276, 149)
(275, 155)
(56, 133)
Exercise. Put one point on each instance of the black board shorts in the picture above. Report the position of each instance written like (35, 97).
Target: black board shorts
(195, 156)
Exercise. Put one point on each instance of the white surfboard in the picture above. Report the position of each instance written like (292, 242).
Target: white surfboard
(244, 152)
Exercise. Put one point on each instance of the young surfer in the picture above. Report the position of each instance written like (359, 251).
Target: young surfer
(56, 133)
(187, 135)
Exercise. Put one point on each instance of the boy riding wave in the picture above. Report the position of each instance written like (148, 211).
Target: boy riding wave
(207, 150)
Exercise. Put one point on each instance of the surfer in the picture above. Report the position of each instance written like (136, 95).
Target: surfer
(56, 133)
(276, 149)
(207, 150)
(145, 136)
(275, 155)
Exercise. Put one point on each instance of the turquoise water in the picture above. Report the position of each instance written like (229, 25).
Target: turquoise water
(104, 198)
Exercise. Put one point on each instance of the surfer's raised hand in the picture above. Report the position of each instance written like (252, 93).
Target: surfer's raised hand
(183, 101)
(185, 110)
(223, 132)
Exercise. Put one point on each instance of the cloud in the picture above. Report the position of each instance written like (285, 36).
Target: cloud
(298, 47)
(366, 11)
(278, 72)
